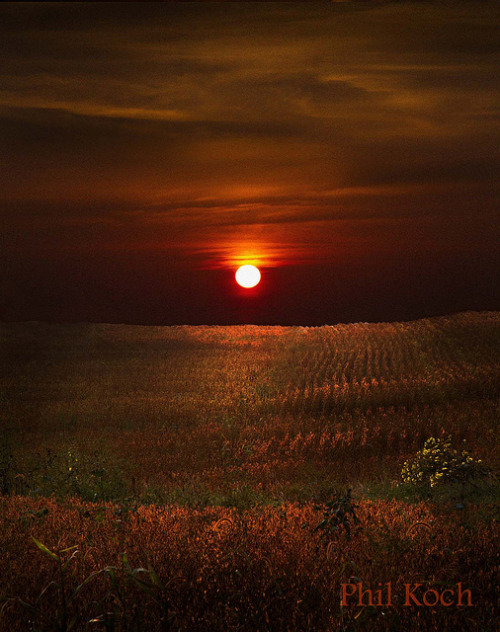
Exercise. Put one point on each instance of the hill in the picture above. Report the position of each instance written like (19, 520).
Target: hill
(192, 413)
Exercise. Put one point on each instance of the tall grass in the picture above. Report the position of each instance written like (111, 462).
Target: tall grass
(269, 568)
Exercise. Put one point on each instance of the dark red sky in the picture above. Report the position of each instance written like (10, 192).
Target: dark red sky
(350, 149)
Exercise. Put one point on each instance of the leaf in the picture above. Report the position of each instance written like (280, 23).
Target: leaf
(110, 570)
(71, 624)
(25, 604)
(47, 551)
(155, 579)
(52, 583)
(85, 581)
(144, 586)
(126, 563)
(359, 613)
(68, 562)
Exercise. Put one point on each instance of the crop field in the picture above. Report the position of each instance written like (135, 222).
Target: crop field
(239, 478)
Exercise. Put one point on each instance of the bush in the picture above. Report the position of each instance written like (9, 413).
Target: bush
(439, 466)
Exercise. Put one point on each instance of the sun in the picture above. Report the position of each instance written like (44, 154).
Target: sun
(247, 276)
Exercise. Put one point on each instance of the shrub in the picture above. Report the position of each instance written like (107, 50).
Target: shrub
(438, 465)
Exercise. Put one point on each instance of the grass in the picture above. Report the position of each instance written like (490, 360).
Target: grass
(164, 430)
(267, 568)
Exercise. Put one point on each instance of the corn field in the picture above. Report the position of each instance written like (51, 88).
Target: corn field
(184, 469)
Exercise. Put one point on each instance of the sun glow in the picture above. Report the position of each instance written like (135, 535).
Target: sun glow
(247, 276)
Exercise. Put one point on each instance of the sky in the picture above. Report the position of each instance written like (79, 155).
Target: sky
(349, 149)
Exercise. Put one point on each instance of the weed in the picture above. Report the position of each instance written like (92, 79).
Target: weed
(339, 515)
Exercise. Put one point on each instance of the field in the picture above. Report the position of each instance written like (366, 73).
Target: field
(208, 454)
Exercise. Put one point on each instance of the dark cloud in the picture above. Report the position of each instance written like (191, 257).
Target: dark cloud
(292, 132)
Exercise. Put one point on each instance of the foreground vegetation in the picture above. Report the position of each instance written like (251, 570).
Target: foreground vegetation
(217, 459)
(262, 569)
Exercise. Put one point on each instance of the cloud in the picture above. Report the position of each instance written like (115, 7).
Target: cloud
(283, 117)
